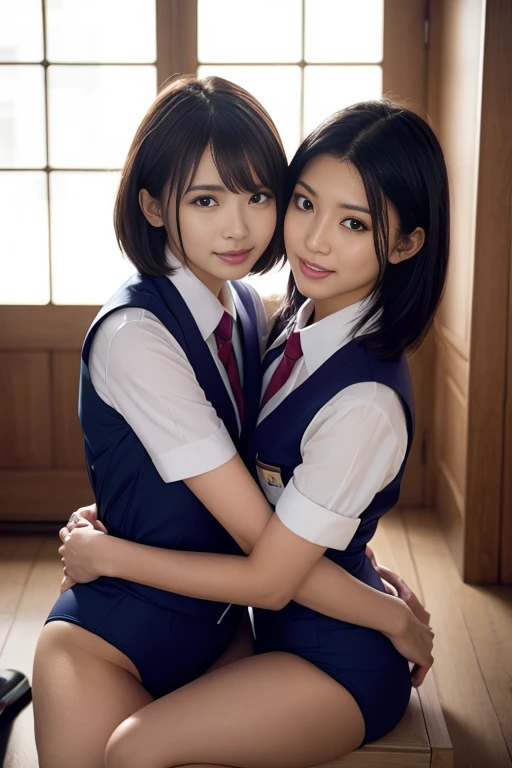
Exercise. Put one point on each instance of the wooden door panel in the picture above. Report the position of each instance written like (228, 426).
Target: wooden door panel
(42, 495)
(68, 443)
(25, 416)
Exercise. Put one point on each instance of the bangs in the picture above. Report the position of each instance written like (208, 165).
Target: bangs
(242, 166)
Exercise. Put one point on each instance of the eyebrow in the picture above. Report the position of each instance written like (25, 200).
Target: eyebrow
(309, 189)
(346, 206)
(207, 188)
(351, 207)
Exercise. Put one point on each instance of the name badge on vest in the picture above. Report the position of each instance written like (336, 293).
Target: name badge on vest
(270, 480)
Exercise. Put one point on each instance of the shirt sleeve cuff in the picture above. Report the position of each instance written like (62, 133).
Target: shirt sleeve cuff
(314, 523)
(194, 459)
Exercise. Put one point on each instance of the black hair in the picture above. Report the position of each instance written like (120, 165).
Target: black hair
(187, 117)
(400, 163)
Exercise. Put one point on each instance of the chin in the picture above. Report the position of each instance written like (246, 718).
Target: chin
(313, 290)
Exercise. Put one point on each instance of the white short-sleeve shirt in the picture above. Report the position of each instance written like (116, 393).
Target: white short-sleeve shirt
(352, 449)
(139, 369)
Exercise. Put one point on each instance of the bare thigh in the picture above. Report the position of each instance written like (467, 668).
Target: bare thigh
(275, 710)
(83, 688)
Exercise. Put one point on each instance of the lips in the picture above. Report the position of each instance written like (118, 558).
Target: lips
(313, 271)
(235, 257)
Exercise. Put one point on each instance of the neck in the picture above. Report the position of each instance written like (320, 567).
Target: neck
(326, 307)
(214, 284)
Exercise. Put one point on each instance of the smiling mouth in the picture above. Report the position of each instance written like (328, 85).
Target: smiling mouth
(309, 269)
(235, 257)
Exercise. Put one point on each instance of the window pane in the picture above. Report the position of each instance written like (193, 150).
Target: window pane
(22, 125)
(101, 31)
(234, 31)
(21, 30)
(94, 112)
(344, 31)
(277, 88)
(24, 261)
(329, 89)
(87, 265)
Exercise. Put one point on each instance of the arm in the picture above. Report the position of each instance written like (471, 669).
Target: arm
(269, 577)
(319, 584)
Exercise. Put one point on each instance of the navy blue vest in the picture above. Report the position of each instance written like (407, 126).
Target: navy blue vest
(133, 500)
(276, 440)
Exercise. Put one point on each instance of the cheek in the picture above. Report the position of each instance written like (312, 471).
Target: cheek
(264, 218)
(292, 231)
(360, 254)
(196, 226)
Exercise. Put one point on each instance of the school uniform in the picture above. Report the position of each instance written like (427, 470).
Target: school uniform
(158, 404)
(329, 452)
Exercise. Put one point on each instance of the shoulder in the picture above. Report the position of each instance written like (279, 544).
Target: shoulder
(361, 408)
(128, 337)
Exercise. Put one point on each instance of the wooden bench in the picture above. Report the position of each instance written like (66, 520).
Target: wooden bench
(421, 740)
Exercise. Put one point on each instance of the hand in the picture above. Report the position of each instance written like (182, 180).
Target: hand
(88, 514)
(395, 585)
(405, 593)
(416, 644)
(79, 552)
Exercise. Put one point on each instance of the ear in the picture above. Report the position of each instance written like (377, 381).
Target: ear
(408, 246)
(151, 208)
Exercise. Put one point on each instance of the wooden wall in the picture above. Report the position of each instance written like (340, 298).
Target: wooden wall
(455, 57)
(42, 468)
(469, 101)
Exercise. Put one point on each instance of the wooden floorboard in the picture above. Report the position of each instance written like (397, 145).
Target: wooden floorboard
(41, 574)
(17, 555)
(488, 615)
(473, 688)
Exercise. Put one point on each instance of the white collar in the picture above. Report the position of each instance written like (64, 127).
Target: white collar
(206, 309)
(320, 340)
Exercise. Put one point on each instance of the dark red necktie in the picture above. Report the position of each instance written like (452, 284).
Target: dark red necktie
(223, 334)
(292, 353)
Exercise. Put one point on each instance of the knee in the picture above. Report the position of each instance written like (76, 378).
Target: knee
(125, 748)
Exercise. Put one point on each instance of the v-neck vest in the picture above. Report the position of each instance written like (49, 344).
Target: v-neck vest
(133, 500)
(277, 438)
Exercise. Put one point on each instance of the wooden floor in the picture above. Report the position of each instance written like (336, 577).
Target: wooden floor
(473, 668)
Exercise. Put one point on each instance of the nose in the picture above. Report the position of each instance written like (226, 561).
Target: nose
(235, 226)
(317, 240)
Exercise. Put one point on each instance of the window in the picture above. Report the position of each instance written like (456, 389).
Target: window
(75, 81)
(77, 77)
(303, 59)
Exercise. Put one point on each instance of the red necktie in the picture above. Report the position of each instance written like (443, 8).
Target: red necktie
(292, 353)
(223, 334)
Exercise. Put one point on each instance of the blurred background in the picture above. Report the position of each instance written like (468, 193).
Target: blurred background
(76, 77)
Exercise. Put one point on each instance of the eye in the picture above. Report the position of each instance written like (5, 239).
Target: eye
(205, 201)
(260, 197)
(354, 225)
(303, 203)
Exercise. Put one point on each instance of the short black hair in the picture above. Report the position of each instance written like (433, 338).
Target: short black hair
(401, 163)
(188, 117)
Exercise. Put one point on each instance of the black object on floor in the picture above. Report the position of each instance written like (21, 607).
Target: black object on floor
(13, 685)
